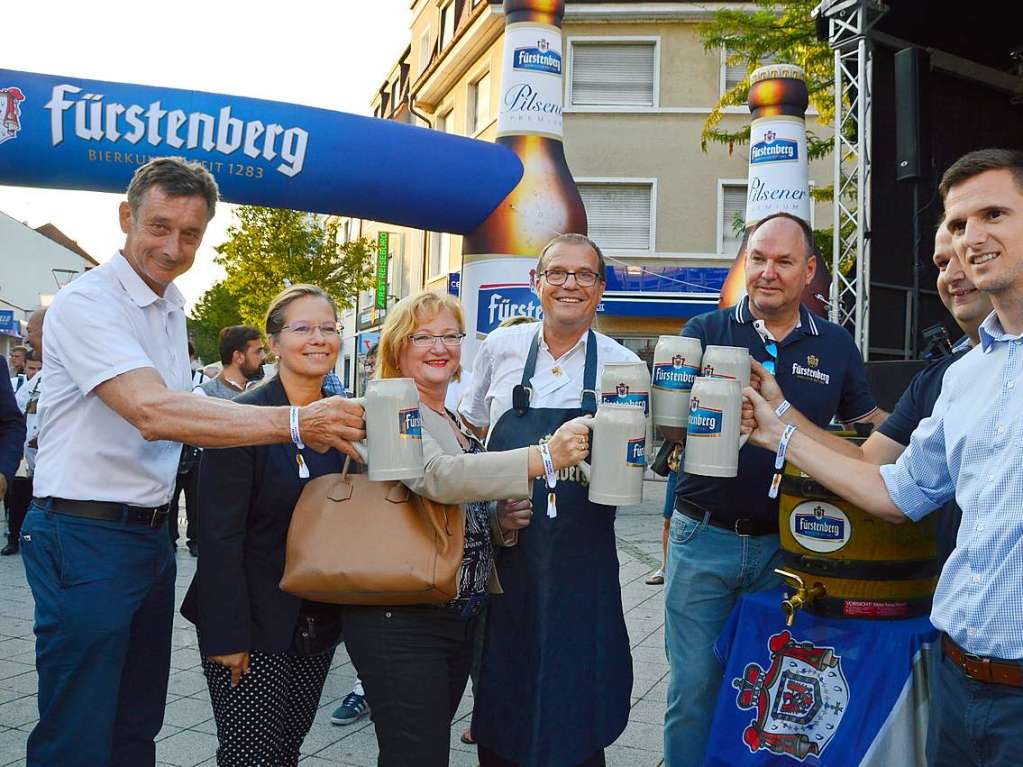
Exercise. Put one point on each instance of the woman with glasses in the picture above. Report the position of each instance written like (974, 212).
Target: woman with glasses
(414, 661)
(264, 677)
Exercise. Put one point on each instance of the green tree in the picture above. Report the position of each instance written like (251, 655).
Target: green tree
(268, 248)
(216, 308)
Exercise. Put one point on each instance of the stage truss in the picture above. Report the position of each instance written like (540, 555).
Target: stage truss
(849, 23)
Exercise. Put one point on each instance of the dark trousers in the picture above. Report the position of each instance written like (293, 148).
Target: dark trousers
(19, 496)
(104, 605)
(414, 663)
(264, 720)
(489, 759)
(187, 483)
(973, 724)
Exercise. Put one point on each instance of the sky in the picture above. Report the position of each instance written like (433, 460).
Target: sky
(333, 54)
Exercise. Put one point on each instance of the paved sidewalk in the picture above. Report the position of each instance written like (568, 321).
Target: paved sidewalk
(189, 735)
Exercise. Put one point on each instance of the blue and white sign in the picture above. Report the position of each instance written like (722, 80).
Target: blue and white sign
(8, 325)
(454, 283)
(538, 58)
(635, 453)
(626, 397)
(819, 526)
(410, 425)
(773, 149)
(73, 133)
(675, 375)
(703, 421)
(497, 302)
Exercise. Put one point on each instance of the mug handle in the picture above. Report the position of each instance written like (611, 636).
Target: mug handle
(361, 447)
(584, 467)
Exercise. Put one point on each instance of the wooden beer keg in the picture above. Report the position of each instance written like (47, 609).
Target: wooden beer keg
(865, 567)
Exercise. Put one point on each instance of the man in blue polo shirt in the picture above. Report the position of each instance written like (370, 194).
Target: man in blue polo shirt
(723, 540)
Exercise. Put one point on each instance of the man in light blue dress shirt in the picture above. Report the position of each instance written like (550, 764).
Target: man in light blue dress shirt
(970, 449)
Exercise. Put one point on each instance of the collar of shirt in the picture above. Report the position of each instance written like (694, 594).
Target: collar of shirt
(136, 287)
(580, 344)
(964, 344)
(805, 325)
(991, 332)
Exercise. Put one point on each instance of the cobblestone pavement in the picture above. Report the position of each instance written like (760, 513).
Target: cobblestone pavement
(189, 735)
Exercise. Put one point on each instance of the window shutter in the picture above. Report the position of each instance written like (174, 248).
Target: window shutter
(618, 214)
(733, 206)
(613, 74)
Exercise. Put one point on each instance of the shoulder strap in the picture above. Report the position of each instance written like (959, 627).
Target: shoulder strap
(522, 391)
(589, 396)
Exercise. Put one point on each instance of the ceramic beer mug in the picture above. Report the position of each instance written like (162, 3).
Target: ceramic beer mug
(676, 367)
(393, 448)
(618, 455)
(713, 436)
(627, 383)
(729, 362)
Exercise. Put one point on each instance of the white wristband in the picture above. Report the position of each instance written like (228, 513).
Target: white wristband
(296, 437)
(548, 465)
(783, 408)
(783, 446)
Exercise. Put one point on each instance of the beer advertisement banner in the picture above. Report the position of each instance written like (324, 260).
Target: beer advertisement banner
(72, 133)
(826, 692)
(531, 98)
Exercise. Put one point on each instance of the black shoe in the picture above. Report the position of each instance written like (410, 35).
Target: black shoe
(193, 548)
(10, 548)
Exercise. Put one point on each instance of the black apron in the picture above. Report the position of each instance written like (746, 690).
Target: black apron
(556, 676)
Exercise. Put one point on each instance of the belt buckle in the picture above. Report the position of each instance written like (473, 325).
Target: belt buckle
(977, 667)
(741, 524)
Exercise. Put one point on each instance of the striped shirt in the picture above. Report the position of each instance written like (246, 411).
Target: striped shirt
(970, 449)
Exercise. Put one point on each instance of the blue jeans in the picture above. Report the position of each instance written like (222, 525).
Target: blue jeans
(104, 606)
(973, 724)
(708, 570)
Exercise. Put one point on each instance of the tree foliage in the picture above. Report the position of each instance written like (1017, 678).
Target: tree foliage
(783, 32)
(269, 248)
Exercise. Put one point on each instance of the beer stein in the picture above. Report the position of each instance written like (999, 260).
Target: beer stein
(627, 383)
(713, 436)
(676, 366)
(729, 362)
(618, 455)
(393, 448)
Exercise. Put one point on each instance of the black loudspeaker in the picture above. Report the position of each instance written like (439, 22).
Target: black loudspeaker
(912, 147)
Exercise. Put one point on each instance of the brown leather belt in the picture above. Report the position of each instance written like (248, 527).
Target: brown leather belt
(755, 527)
(152, 516)
(989, 670)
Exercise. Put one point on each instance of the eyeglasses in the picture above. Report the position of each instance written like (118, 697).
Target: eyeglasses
(425, 340)
(771, 347)
(308, 330)
(584, 279)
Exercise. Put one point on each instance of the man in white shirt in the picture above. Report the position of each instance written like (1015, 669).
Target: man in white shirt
(115, 409)
(538, 698)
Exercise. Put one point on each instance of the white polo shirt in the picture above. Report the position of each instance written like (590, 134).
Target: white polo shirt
(105, 323)
(501, 358)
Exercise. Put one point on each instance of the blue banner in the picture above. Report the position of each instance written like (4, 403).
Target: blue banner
(73, 133)
(8, 325)
(826, 691)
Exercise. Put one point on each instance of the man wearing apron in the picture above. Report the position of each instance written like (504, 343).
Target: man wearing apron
(556, 674)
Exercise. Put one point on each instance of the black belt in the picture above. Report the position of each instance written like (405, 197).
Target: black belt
(150, 516)
(745, 526)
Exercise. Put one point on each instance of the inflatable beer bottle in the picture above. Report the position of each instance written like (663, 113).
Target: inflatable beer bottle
(778, 171)
(499, 257)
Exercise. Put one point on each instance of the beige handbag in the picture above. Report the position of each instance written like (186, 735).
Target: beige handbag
(356, 542)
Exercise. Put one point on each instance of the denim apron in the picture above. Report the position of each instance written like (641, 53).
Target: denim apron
(556, 674)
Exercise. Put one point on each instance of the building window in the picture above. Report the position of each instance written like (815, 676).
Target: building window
(425, 51)
(440, 254)
(394, 95)
(607, 73)
(733, 74)
(479, 105)
(620, 213)
(447, 25)
(731, 218)
(444, 123)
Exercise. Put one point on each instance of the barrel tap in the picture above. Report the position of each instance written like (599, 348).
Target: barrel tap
(803, 596)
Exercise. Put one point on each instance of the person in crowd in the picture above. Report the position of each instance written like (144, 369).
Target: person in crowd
(723, 536)
(242, 355)
(16, 360)
(968, 450)
(263, 685)
(414, 661)
(12, 431)
(20, 494)
(94, 542)
(540, 700)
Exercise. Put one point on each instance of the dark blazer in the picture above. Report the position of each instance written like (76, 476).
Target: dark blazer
(12, 426)
(246, 499)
